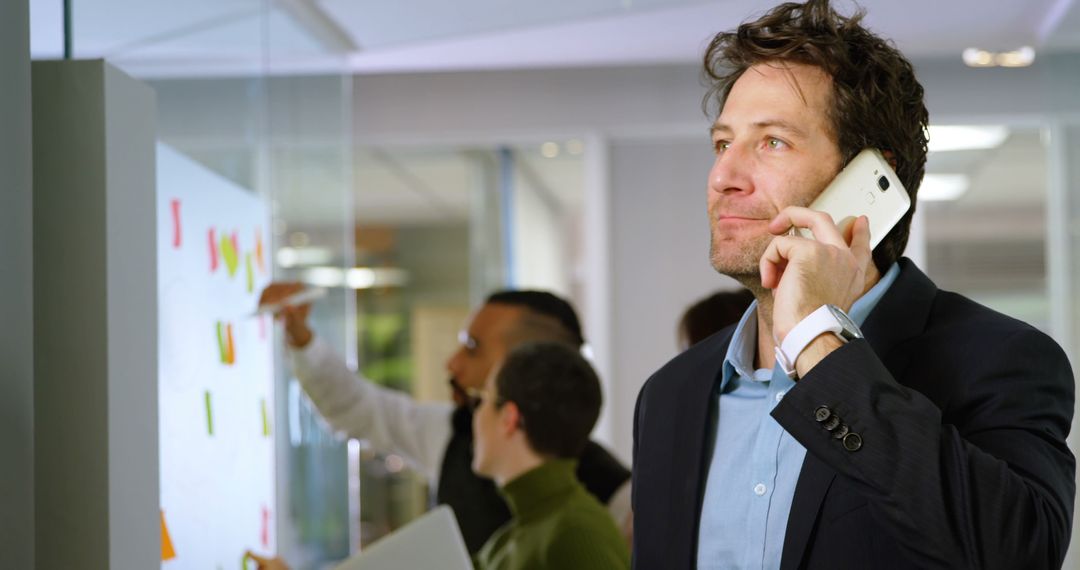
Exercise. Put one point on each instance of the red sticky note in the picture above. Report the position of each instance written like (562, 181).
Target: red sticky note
(213, 252)
(265, 534)
(176, 223)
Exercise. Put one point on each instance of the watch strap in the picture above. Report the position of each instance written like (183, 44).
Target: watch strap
(812, 326)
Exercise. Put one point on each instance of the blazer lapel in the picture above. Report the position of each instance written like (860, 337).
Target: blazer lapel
(900, 315)
(691, 427)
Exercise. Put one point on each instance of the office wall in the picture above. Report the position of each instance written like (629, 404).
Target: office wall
(16, 292)
(660, 261)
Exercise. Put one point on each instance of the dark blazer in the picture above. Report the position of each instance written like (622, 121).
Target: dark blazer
(960, 461)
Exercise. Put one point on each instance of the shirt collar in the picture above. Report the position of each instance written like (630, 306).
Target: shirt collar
(742, 352)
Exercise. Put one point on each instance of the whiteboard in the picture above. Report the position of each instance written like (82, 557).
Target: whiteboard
(215, 369)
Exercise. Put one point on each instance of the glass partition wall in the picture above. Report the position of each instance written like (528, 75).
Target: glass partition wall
(226, 99)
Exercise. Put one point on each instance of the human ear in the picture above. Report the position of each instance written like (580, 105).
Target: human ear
(890, 157)
(510, 418)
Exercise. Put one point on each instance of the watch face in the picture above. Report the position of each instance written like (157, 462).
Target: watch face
(851, 330)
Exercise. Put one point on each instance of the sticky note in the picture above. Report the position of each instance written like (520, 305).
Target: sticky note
(260, 258)
(250, 274)
(265, 418)
(230, 354)
(223, 343)
(213, 252)
(209, 415)
(167, 551)
(226, 343)
(229, 255)
(265, 534)
(176, 223)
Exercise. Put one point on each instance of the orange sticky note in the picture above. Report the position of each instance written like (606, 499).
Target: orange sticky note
(231, 345)
(167, 552)
(259, 257)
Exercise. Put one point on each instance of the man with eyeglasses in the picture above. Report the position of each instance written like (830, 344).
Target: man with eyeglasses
(437, 437)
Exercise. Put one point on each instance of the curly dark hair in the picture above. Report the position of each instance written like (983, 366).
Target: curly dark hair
(876, 100)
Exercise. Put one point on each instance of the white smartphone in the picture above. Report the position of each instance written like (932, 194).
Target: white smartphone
(867, 186)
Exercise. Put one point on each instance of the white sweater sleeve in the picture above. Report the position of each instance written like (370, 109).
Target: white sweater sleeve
(392, 421)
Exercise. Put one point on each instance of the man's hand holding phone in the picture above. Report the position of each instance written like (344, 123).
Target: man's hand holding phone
(836, 267)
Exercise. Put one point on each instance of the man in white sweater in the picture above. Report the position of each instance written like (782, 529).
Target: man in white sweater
(437, 437)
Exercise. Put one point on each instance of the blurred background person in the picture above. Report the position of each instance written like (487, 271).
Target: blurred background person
(437, 437)
(709, 315)
(533, 418)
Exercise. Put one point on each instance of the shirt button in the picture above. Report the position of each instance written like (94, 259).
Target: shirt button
(760, 489)
(780, 396)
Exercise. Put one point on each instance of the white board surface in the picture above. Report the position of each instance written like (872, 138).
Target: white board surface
(216, 369)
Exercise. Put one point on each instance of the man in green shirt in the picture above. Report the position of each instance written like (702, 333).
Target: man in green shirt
(532, 418)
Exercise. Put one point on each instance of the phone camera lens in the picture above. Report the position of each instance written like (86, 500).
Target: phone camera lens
(883, 183)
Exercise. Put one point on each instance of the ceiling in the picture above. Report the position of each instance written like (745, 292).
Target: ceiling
(206, 37)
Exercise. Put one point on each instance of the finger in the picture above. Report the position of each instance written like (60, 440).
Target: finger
(860, 239)
(820, 224)
(259, 560)
(775, 259)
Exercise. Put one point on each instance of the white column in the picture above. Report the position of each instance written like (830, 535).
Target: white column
(95, 318)
(596, 269)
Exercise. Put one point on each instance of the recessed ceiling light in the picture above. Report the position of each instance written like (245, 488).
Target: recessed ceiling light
(549, 150)
(942, 187)
(1020, 57)
(951, 137)
(975, 57)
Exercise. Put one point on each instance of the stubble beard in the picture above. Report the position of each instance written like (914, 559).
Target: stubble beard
(741, 263)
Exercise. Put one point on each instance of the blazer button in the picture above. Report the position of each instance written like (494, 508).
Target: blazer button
(832, 423)
(841, 431)
(822, 413)
(852, 441)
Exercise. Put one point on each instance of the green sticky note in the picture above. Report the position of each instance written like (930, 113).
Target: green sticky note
(250, 274)
(223, 345)
(265, 419)
(209, 415)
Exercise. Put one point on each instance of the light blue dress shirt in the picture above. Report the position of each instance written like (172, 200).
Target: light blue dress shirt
(754, 464)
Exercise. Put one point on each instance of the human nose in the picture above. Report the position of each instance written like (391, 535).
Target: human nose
(453, 364)
(731, 170)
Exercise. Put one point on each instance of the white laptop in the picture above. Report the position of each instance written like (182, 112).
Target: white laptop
(431, 541)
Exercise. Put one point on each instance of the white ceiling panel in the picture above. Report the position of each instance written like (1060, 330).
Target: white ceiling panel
(415, 35)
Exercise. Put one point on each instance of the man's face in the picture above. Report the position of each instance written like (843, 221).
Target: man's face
(489, 438)
(483, 345)
(774, 148)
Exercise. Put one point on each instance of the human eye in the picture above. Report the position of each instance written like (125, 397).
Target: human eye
(720, 146)
(774, 143)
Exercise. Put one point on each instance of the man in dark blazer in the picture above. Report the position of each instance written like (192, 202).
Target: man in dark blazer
(857, 417)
